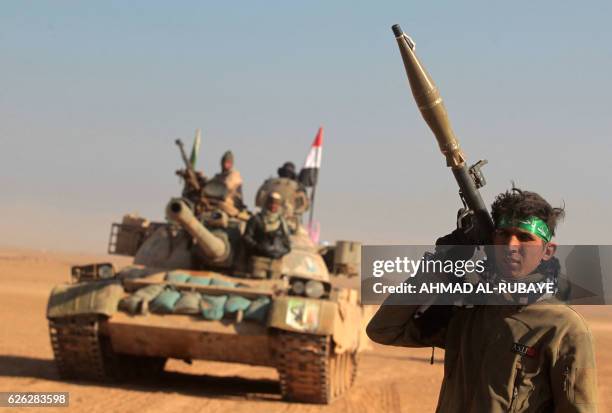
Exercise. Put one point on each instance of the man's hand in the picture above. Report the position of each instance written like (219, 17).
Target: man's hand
(456, 246)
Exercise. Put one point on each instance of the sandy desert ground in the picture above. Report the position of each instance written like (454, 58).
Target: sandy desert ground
(389, 380)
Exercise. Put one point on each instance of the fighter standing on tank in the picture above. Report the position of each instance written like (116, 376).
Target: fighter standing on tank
(231, 179)
(266, 233)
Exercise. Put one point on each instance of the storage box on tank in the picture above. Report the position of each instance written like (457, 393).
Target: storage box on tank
(347, 258)
(128, 236)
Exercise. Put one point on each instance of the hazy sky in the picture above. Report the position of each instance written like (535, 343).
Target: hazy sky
(93, 95)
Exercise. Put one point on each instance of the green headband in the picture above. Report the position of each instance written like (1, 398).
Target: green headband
(531, 224)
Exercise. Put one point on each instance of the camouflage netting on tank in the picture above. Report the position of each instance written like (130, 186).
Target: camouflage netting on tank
(166, 299)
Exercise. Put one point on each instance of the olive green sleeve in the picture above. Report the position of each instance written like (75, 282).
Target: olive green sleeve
(573, 375)
(395, 325)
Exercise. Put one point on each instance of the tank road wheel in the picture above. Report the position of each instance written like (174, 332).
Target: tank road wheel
(309, 370)
(76, 348)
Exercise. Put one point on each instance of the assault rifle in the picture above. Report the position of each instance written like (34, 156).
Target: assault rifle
(189, 175)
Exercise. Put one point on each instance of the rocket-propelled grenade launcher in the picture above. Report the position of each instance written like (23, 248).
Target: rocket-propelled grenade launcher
(432, 108)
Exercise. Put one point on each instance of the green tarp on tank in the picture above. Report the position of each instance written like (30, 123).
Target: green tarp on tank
(137, 303)
(258, 310)
(236, 303)
(212, 306)
(199, 280)
(189, 303)
(165, 301)
(222, 283)
(177, 277)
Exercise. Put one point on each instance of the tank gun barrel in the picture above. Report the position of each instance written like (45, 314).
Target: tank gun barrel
(212, 246)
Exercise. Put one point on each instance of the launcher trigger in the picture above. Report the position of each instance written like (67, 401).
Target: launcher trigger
(465, 220)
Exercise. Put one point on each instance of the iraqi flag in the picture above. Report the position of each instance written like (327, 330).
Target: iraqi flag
(310, 171)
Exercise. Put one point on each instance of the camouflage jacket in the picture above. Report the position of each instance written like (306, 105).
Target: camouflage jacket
(271, 244)
(534, 358)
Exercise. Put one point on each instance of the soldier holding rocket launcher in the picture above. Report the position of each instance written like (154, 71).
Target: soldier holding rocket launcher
(533, 357)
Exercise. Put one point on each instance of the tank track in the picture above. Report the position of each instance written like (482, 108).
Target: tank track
(310, 371)
(77, 349)
(80, 352)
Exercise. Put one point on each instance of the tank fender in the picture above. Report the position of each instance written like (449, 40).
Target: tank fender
(100, 297)
(348, 323)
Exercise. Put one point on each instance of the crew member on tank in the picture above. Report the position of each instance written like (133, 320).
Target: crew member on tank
(266, 233)
(300, 199)
(230, 177)
(287, 171)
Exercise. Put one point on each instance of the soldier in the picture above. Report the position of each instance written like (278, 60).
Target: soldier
(266, 233)
(231, 179)
(535, 357)
(296, 203)
(287, 171)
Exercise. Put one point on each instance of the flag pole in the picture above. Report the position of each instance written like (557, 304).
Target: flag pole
(312, 201)
(317, 162)
(309, 175)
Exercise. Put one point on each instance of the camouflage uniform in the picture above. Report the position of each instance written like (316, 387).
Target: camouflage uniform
(232, 181)
(266, 233)
(533, 358)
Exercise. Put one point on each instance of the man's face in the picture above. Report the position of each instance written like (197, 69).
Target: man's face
(227, 164)
(273, 206)
(518, 252)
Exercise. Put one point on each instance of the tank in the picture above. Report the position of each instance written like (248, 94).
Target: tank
(195, 292)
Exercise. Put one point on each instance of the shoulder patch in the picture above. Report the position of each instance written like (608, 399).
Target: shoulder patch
(524, 350)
